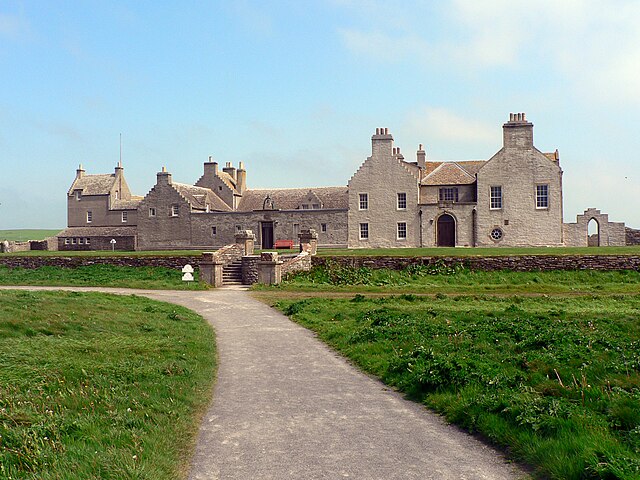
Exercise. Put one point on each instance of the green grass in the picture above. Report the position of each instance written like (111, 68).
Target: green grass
(99, 386)
(556, 381)
(439, 278)
(478, 252)
(106, 253)
(27, 234)
(157, 278)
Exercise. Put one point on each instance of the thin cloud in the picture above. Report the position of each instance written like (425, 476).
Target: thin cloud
(443, 125)
(13, 26)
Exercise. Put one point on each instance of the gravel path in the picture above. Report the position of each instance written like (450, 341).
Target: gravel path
(286, 406)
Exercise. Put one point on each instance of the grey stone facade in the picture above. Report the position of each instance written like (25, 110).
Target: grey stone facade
(512, 199)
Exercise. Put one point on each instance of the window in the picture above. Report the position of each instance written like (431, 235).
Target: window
(402, 230)
(152, 212)
(238, 228)
(364, 231)
(214, 231)
(496, 198)
(124, 217)
(220, 187)
(315, 206)
(402, 201)
(542, 196)
(86, 241)
(73, 241)
(78, 194)
(66, 241)
(81, 241)
(496, 234)
(323, 227)
(449, 194)
(116, 194)
(305, 206)
(207, 208)
(364, 202)
(89, 216)
(175, 210)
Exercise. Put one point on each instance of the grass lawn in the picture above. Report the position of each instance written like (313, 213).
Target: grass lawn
(157, 278)
(470, 252)
(554, 380)
(441, 279)
(99, 386)
(22, 235)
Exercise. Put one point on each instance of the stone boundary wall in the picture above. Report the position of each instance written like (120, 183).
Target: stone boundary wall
(80, 261)
(519, 263)
(300, 262)
(632, 236)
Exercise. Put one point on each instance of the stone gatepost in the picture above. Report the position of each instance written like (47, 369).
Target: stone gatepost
(247, 239)
(269, 268)
(211, 269)
(308, 241)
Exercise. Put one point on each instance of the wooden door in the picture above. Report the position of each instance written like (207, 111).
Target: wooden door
(446, 231)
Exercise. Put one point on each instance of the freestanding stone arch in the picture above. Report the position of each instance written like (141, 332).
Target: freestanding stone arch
(609, 233)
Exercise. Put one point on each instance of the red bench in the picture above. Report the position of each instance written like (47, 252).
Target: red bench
(284, 244)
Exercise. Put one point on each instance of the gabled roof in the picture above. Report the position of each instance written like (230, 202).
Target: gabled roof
(199, 197)
(227, 179)
(453, 173)
(94, 184)
(291, 198)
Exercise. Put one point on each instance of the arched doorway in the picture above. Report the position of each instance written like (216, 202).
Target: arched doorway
(593, 233)
(446, 231)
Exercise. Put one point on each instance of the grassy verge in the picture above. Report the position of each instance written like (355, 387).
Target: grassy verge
(22, 235)
(106, 253)
(479, 252)
(157, 278)
(441, 279)
(556, 381)
(98, 386)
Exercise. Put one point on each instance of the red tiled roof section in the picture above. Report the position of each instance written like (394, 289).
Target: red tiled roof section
(292, 198)
(453, 173)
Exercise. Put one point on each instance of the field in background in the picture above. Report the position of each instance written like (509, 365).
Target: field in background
(100, 386)
(22, 235)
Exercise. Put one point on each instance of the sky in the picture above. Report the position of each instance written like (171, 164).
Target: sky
(295, 89)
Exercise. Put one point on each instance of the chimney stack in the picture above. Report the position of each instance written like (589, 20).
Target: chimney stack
(382, 143)
(230, 169)
(80, 171)
(517, 132)
(421, 156)
(163, 177)
(242, 178)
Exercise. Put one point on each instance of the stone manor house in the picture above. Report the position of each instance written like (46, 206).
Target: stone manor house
(512, 199)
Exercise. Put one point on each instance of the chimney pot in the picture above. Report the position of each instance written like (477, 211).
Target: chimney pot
(386, 131)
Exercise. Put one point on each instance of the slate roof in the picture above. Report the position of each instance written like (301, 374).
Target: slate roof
(199, 197)
(130, 204)
(451, 173)
(228, 179)
(98, 232)
(94, 184)
(291, 198)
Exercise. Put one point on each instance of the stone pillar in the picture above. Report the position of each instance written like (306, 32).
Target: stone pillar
(211, 269)
(247, 239)
(269, 269)
(308, 241)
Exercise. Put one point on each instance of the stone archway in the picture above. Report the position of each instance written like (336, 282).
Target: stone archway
(446, 231)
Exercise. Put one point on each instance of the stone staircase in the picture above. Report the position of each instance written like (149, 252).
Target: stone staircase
(232, 273)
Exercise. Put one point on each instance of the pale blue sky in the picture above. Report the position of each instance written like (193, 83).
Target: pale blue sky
(296, 89)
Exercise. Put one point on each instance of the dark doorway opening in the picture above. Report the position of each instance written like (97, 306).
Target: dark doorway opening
(446, 231)
(267, 235)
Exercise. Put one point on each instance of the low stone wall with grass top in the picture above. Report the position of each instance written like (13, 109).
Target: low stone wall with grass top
(518, 263)
(32, 262)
